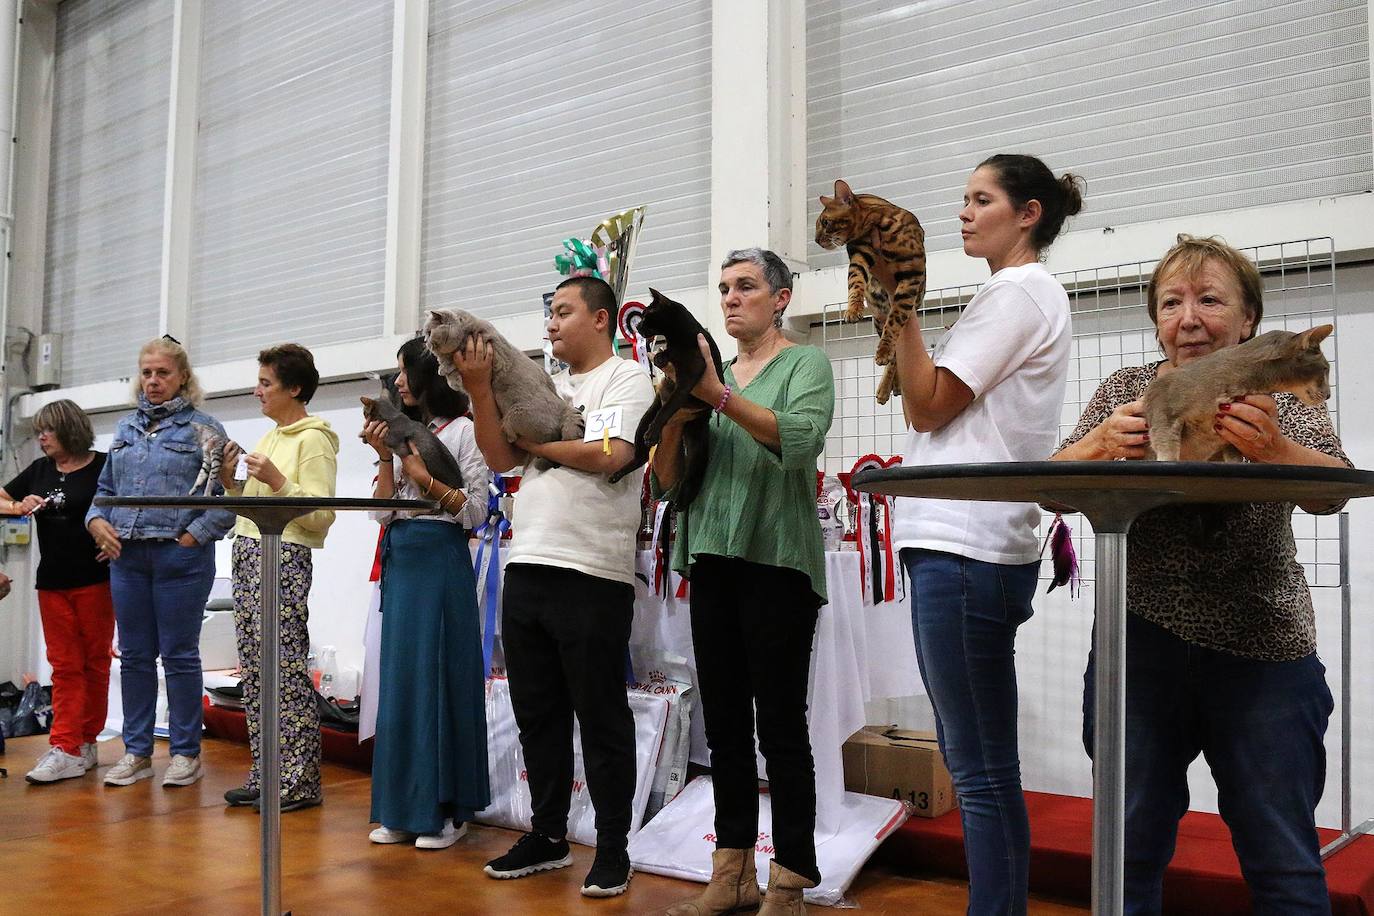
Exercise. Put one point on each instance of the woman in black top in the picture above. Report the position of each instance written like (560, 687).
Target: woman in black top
(73, 586)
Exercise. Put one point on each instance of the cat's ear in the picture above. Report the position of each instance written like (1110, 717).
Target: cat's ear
(842, 192)
(655, 295)
(1312, 338)
(826, 201)
(367, 402)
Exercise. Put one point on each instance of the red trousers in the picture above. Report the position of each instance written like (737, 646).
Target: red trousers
(78, 628)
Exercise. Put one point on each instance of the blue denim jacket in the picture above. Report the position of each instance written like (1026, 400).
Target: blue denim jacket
(165, 462)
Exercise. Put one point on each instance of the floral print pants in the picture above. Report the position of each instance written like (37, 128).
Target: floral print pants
(300, 717)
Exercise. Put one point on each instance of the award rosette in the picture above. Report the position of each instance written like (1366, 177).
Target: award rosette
(880, 577)
(608, 254)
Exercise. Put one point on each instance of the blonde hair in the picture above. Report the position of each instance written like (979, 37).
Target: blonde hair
(1190, 255)
(69, 423)
(190, 389)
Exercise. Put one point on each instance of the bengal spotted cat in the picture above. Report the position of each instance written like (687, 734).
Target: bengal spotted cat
(876, 231)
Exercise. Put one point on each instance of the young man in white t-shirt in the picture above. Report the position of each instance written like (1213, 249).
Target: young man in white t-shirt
(568, 598)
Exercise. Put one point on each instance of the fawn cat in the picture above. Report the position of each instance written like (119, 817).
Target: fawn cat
(673, 322)
(1181, 406)
(874, 230)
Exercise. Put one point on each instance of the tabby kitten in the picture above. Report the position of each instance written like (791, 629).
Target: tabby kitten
(875, 231)
(1180, 406)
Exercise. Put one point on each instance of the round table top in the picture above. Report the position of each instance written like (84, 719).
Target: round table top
(262, 502)
(1155, 482)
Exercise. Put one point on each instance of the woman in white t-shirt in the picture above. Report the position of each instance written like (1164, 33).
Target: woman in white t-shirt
(992, 391)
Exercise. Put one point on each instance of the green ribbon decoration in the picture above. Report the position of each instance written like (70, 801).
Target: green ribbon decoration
(578, 259)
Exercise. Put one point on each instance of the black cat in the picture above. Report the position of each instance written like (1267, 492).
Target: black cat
(674, 323)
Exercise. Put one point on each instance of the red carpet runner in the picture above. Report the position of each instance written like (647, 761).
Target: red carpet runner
(1204, 876)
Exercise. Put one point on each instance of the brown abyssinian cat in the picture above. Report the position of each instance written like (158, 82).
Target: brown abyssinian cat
(1181, 405)
(874, 230)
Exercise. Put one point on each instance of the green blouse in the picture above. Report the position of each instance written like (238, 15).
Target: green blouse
(755, 505)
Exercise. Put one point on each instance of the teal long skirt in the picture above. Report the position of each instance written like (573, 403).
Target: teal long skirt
(430, 758)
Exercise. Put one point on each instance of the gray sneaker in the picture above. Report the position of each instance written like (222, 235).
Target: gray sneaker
(56, 765)
(130, 769)
(88, 755)
(183, 771)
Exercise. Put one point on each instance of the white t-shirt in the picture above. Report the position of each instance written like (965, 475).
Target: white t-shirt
(575, 519)
(1011, 348)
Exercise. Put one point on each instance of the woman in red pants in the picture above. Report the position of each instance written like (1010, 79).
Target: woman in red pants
(73, 586)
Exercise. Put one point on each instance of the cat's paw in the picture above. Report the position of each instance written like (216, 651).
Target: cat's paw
(855, 313)
(883, 355)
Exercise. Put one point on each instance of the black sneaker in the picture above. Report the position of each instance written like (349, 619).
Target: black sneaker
(293, 804)
(241, 797)
(610, 874)
(531, 853)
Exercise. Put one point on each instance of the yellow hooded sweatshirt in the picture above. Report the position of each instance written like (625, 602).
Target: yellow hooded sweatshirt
(306, 453)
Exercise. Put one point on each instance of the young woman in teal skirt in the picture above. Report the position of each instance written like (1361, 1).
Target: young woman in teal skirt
(429, 765)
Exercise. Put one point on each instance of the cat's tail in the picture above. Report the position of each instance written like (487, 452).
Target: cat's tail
(889, 384)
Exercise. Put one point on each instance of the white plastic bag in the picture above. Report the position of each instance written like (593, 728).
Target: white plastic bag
(679, 841)
(510, 794)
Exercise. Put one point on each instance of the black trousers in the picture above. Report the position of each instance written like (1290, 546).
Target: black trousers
(565, 635)
(752, 629)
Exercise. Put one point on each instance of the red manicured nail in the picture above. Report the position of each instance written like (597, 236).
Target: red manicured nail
(1225, 407)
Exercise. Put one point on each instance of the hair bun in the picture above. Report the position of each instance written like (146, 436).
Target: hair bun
(1072, 187)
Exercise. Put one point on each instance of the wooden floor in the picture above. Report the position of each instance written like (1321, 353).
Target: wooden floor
(146, 849)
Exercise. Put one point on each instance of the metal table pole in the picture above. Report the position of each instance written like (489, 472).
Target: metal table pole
(269, 728)
(271, 514)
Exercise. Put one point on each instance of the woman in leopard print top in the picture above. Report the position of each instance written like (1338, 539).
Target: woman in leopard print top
(1221, 639)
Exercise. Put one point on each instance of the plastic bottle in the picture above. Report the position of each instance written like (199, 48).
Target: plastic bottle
(329, 671)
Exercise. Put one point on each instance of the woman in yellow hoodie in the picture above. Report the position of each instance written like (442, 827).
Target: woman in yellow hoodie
(297, 457)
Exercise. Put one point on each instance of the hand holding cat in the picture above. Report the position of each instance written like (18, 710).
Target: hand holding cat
(374, 434)
(228, 463)
(260, 467)
(1124, 434)
(1251, 424)
(709, 389)
(473, 361)
(414, 467)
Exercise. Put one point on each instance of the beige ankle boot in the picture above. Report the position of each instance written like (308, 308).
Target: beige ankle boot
(784, 896)
(734, 886)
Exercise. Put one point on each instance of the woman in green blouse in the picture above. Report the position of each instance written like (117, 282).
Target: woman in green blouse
(751, 545)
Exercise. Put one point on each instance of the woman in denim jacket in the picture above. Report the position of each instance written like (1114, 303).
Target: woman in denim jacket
(162, 561)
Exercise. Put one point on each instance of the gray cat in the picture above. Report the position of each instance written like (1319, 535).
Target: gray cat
(401, 429)
(211, 457)
(1181, 406)
(530, 407)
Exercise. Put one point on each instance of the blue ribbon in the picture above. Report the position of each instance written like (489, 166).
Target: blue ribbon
(490, 532)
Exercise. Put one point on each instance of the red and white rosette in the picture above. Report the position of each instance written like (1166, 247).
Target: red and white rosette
(628, 322)
(880, 576)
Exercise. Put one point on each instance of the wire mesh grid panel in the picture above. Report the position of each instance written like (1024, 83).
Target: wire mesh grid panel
(1111, 330)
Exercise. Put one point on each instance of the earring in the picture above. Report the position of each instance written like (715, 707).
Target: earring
(777, 320)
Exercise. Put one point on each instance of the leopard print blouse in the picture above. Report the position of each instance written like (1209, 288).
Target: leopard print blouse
(1224, 577)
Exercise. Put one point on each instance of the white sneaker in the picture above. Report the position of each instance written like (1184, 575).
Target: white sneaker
(56, 765)
(130, 769)
(88, 755)
(387, 835)
(183, 771)
(444, 838)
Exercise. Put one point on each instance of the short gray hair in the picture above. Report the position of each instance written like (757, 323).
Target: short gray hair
(775, 270)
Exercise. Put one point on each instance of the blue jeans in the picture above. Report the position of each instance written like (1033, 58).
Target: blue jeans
(964, 616)
(1260, 727)
(159, 590)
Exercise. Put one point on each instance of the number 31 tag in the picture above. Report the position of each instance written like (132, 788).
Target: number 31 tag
(603, 425)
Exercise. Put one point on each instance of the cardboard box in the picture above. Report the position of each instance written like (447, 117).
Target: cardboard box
(892, 762)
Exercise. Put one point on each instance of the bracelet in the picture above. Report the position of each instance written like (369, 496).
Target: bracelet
(429, 487)
(386, 460)
(724, 398)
